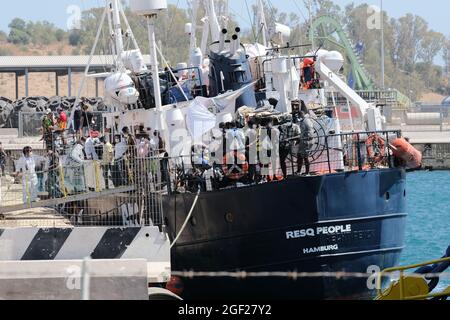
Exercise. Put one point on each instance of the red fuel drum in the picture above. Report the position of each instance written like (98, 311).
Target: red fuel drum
(406, 152)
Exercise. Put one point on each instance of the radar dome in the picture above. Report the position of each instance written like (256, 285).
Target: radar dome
(333, 60)
(147, 7)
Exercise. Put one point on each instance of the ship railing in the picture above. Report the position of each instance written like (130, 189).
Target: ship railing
(401, 289)
(124, 192)
(330, 154)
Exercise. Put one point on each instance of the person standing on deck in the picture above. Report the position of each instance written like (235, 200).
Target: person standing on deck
(3, 157)
(289, 138)
(251, 150)
(61, 123)
(107, 160)
(119, 169)
(75, 167)
(53, 187)
(48, 123)
(89, 148)
(305, 144)
(26, 168)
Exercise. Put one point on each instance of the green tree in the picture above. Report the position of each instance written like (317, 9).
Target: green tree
(17, 36)
(18, 33)
(18, 24)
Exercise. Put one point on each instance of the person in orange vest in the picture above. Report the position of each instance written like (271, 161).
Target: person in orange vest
(308, 73)
(61, 123)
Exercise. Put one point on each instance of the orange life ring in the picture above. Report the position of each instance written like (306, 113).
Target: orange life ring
(235, 165)
(381, 144)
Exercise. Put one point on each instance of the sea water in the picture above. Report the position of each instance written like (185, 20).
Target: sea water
(428, 224)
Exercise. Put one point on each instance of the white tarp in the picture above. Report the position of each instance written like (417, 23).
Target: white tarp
(199, 118)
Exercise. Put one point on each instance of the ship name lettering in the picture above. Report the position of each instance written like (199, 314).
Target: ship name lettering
(334, 229)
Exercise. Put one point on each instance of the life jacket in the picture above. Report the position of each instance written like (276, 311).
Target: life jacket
(235, 165)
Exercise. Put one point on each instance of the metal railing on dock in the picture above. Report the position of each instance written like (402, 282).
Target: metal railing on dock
(90, 193)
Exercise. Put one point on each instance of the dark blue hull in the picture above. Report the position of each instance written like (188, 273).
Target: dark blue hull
(339, 222)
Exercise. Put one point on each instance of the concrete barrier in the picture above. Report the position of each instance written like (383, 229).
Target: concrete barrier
(74, 280)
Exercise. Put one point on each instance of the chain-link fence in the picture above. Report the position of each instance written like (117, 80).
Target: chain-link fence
(30, 124)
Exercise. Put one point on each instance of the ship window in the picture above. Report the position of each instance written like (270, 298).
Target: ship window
(404, 193)
(388, 196)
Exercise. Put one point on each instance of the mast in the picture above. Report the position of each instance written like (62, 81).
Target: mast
(213, 21)
(111, 30)
(193, 39)
(117, 29)
(311, 23)
(262, 24)
(154, 60)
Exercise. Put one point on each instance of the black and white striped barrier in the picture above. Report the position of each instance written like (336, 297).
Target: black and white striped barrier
(97, 243)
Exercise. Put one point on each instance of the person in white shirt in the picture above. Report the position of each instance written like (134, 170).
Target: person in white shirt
(236, 139)
(89, 148)
(107, 159)
(119, 173)
(26, 167)
(75, 180)
(120, 150)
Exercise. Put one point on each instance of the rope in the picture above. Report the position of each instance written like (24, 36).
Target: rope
(187, 220)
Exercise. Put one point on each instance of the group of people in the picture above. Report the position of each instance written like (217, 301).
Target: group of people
(256, 152)
(116, 158)
(54, 126)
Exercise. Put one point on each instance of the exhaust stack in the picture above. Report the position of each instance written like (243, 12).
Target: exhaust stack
(234, 45)
(222, 40)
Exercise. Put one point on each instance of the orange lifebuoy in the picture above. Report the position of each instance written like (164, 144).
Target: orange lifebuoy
(373, 140)
(403, 150)
(235, 165)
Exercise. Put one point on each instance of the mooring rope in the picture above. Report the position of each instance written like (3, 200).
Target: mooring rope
(187, 220)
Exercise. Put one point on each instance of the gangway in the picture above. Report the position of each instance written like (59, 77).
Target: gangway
(65, 200)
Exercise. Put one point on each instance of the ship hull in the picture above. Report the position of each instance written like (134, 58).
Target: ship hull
(344, 222)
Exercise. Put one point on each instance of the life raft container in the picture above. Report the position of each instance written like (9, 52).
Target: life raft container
(235, 165)
(403, 150)
(376, 150)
